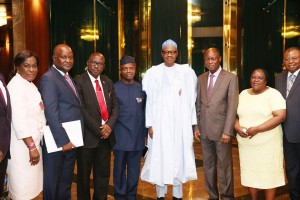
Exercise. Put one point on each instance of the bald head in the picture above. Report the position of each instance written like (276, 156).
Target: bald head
(63, 57)
(212, 59)
(96, 64)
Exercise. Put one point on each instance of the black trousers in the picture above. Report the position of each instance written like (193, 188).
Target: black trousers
(97, 158)
(3, 166)
(292, 166)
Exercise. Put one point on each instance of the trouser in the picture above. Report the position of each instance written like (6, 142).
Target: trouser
(162, 190)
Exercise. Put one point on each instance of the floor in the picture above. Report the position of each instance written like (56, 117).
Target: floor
(194, 189)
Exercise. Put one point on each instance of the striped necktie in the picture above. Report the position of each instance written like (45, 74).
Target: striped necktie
(290, 83)
(70, 83)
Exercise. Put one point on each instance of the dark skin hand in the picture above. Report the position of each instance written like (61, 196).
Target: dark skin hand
(67, 147)
(150, 132)
(224, 138)
(1, 156)
(278, 117)
(34, 155)
(240, 129)
(197, 134)
(105, 131)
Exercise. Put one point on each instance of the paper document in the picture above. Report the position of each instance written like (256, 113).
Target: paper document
(74, 133)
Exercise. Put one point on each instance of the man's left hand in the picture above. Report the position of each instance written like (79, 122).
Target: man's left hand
(105, 131)
(225, 138)
(1, 156)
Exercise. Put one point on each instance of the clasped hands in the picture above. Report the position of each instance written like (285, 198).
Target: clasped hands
(105, 131)
(247, 132)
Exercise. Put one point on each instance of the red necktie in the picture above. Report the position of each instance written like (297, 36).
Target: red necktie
(101, 102)
(70, 83)
(2, 96)
(210, 85)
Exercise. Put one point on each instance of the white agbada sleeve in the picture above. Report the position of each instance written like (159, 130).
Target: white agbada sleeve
(147, 84)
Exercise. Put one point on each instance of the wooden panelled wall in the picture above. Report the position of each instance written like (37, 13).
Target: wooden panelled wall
(37, 36)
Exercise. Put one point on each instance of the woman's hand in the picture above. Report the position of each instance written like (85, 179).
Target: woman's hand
(252, 131)
(34, 156)
(242, 131)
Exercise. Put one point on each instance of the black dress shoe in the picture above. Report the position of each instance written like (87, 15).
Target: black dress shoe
(174, 198)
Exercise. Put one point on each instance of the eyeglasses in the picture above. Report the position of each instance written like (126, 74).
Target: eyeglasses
(94, 63)
(172, 53)
(290, 59)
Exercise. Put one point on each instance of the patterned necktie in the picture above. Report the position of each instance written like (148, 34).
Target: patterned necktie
(290, 83)
(101, 102)
(70, 83)
(2, 96)
(210, 85)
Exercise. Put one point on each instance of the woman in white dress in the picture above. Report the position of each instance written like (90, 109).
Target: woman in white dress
(260, 112)
(25, 168)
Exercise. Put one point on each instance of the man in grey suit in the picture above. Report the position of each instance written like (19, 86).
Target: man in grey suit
(217, 102)
(99, 120)
(288, 84)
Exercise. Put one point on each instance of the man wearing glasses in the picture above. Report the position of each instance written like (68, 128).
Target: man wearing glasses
(100, 112)
(170, 115)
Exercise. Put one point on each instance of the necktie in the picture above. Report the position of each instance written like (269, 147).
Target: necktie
(101, 102)
(2, 96)
(70, 83)
(290, 83)
(210, 85)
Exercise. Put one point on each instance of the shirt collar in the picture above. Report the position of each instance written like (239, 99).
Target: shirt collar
(295, 73)
(93, 78)
(216, 74)
(61, 72)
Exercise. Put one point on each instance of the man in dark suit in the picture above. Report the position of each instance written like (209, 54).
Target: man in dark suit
(217, 102)
(288, 84)
(5, 120)
(100, 112)
(130, 131)
(62, 104)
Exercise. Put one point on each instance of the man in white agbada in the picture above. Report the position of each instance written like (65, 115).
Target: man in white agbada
(170, 115)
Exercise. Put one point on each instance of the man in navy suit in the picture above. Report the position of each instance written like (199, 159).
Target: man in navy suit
(62, 104)
(99, 120)
(5, 120)
(288, 84)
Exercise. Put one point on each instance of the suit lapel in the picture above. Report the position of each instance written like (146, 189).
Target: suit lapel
(65, 82)
(2, 100)
(204, 83)
(90, 90)
(4, 92)
(105, 92)
(217, 83)
(284, 84)
(295, 84)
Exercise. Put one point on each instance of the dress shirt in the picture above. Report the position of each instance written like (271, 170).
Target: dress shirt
(94, 86)
(216, 74)
(295, 73)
